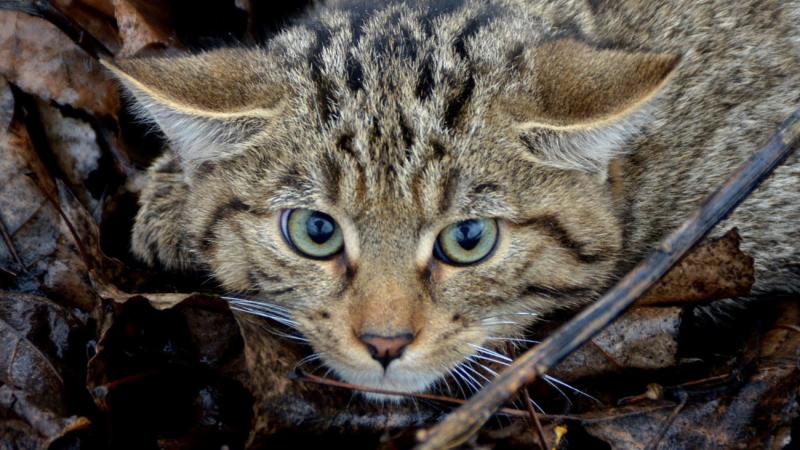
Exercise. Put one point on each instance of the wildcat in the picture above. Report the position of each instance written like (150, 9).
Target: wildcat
(405, 182)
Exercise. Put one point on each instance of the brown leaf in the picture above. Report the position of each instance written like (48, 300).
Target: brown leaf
(96, 17)
(742, 416)
(143, 25)
(41, 60)
(170, 375)
(73, 143)
(41, 356)
(714, 270)
(48, 261)
(643, 338)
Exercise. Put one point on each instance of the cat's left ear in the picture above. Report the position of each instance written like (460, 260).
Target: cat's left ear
(579, 104)
(208, 105)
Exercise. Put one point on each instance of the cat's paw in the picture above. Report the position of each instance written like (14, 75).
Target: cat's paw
(158, 235)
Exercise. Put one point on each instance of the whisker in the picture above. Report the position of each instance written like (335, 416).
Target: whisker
(558, 389)
(306, 360)
(536, 405)
(572, 388)
(256, 303)
(498, 322)
(286, 335)
(260, 309)
(510, 339)
(454, 376)
(483, 366)
(471, 382)
(503, 363)
(476, 372)
(521, 313)
(282, 320)
(486, 351)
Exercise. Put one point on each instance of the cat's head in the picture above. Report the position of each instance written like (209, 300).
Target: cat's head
(400, 190)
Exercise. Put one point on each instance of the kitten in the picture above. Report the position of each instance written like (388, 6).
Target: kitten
(406, 182)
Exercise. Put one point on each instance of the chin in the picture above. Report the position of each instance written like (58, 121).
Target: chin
(396, 378)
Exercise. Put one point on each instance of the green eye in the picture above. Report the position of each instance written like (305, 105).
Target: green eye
(312, 233)
(466, 242)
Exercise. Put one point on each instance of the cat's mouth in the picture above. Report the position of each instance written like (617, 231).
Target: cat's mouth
(401, 376)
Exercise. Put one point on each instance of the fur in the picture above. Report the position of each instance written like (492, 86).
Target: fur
(398, 119)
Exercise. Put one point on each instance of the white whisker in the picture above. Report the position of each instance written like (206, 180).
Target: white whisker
(498, 322)
(306, 360)
(558, 389)
(471, 382)
(486, 351)
(510, 339)
(476, 372)
(482, 366)
(282, 320)
(536, 405)
(286, 335)
(521, 313)
(494, 360)
(256, 303)
(572, 388)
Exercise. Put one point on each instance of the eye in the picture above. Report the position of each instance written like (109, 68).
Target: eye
(466, 242)
(313, 234)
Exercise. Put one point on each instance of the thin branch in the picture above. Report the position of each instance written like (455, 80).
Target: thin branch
(653, 445)
(537, 425)
(300, 375)
(7, 273)
(466, 420)
(10, 246)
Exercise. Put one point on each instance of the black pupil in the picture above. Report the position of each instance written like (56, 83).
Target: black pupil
(468, 233)
(320, 227)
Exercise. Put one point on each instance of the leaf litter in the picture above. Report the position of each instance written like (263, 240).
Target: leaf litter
(97, 351)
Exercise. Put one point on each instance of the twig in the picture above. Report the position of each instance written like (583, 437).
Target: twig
(538, 432)
(653, 445)
(72, 230)
(10, 246)
(7, 273)
(47, 11)
(535, 419)
(300, 375)
(466, 420)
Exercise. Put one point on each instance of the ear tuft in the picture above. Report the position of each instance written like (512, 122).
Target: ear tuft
(581, 104)
(208, 105)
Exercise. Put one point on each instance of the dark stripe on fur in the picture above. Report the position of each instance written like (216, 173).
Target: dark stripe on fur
(425, 83)
(458, 103)
(222, 212)
(449, 191)
(555, 229)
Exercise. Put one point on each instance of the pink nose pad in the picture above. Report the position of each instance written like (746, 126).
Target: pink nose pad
(386, 349)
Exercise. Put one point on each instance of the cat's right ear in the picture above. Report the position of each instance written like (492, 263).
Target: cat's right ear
(208, 105)
(576, 105)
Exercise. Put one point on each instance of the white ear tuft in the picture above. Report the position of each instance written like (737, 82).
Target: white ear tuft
(208, 105)
(580, 105)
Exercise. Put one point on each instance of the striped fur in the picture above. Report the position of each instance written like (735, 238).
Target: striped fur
(399, 118)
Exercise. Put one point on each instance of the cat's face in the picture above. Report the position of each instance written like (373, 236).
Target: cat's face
(451, 250)
(399, 201)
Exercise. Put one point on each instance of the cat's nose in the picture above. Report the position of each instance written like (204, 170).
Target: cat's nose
(386, 349)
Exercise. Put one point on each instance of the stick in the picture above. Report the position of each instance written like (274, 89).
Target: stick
(466, 420)
(299, 375)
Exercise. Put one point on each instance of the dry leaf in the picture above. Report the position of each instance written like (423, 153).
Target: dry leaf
(41, 356)
(41, 60)
(143, 25)
(714, 270)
